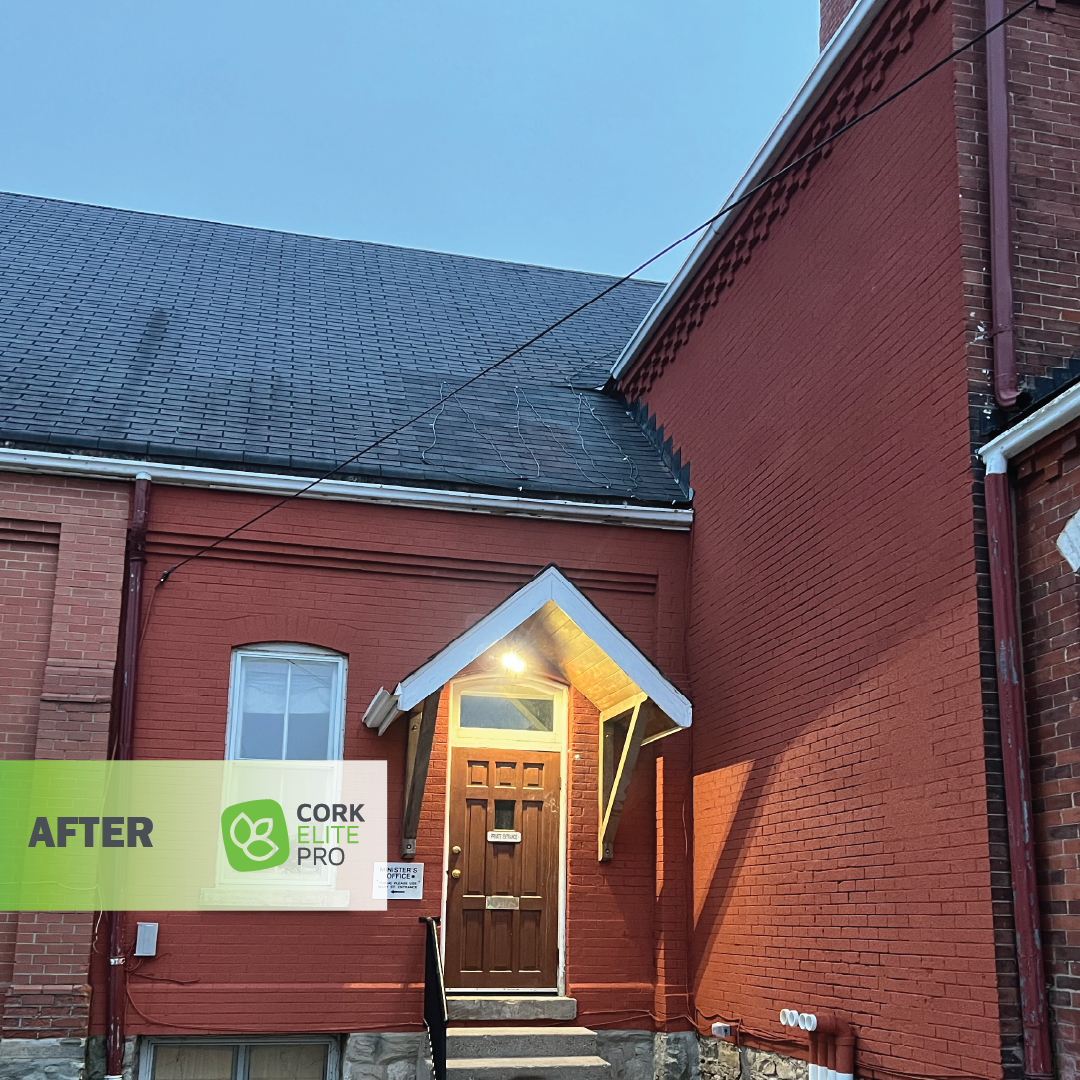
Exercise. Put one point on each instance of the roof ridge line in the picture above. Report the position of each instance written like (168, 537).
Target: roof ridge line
(331, 239)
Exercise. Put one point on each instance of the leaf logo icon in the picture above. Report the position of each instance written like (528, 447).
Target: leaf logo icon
(258, 832)
(255, 835)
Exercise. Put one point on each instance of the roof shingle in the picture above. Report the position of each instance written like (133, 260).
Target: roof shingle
(175, 339)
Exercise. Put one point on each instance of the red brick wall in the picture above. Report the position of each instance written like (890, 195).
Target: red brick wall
(1043, 90)
(817, 384)
(611, 962)
(1047, 495)
(389, 588)
(61, 570)
(1044, 106)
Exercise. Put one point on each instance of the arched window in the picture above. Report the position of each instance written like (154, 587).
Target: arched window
(286, 703)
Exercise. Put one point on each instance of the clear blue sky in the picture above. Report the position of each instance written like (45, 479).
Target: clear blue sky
(577, 133)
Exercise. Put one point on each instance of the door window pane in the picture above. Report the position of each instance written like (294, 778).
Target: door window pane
(504, 814)
(507, 713)
(193, 1062)
(287, 1062)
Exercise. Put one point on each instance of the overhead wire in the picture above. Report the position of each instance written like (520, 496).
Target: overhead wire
(726, 209)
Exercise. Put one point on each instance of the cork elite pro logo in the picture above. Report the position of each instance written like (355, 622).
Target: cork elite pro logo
(191, 835)
(255, 835)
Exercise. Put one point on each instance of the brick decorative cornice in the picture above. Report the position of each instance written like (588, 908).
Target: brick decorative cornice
(891, 37)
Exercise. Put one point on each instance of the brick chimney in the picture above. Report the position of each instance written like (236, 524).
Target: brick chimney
(832, 15)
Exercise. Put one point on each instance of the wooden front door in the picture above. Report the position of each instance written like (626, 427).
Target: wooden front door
(502, 903)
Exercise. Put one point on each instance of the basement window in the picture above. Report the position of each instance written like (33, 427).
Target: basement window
(218, 1059)
(286, 703)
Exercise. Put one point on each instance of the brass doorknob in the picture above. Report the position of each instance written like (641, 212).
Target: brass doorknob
(455, 850)
(455, 874)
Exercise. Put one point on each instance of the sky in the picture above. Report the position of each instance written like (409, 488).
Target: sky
(577, 133)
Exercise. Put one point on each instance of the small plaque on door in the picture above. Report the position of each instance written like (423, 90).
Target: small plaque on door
(502, 903)
(504, 836)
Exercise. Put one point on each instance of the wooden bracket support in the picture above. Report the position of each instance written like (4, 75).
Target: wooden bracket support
(417, 760)
(617, 766)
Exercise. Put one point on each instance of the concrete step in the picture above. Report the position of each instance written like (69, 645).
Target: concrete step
(515, 1042)
(520, 1007)
(528, 1068)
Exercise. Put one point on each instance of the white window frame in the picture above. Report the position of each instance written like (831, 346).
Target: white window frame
(285, 651)
(150, 1043)
(510, 738)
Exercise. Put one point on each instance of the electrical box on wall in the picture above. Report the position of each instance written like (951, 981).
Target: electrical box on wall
(146, 939)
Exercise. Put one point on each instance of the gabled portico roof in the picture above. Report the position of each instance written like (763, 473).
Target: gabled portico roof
(610, 668)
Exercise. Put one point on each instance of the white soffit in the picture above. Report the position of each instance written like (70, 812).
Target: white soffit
(507, 617)
(1032, 429)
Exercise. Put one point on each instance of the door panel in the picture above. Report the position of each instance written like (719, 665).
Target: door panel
(502, 910)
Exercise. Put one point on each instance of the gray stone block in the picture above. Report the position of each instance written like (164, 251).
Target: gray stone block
(718, 1060)
(721, 1060)
(629, 1052)
(675, 1055)
(383, 1056)
(42, 1059)
(766, 1065)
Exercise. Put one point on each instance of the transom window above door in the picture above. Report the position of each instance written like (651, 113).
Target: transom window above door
(518, 712)
(286, 702)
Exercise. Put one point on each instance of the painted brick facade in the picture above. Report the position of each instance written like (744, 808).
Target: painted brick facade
(61, 569)
(834, 641)
(783, 387)
(1043, 103)
(389, 588)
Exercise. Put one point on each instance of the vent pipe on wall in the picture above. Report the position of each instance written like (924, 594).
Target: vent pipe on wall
(1008, 663)
(831, 1040)
(1002, 301)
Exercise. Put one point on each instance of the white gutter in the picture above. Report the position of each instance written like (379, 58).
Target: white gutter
(646, 517)
(1045, 421)
(840, 46)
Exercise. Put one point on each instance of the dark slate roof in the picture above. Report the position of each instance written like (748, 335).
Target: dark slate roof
(170, 339)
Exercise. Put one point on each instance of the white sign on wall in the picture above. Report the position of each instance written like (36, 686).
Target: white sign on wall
(398, 881)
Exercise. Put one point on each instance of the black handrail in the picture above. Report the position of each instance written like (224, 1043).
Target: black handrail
(434, 998)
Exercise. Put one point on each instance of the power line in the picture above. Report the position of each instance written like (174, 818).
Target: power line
(722, 212)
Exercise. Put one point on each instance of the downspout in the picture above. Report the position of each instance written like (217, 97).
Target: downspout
(1003, 330)
(1008, 663)
(123, 737)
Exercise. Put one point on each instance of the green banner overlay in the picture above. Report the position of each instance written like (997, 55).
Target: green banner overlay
(191, 835)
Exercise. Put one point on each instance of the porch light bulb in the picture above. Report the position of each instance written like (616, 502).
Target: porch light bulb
(513, 662)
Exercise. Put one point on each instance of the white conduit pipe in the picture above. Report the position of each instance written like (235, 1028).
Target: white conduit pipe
(832, 1043)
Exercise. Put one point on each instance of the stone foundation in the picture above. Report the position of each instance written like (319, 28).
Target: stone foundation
(721, 1060)
(384, 1056)
(42, 1059)
(634, 1055)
